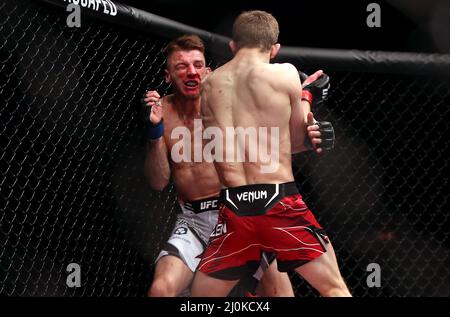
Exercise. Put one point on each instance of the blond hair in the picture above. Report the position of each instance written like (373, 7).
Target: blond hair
(255, 29)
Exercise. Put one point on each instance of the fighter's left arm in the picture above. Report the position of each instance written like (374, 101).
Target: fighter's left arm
(320, 134)
(299, 114)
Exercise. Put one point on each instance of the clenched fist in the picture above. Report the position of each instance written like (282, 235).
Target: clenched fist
(152, 107)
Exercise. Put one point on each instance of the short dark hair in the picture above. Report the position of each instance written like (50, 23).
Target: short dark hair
(255, 29)
(186, 42)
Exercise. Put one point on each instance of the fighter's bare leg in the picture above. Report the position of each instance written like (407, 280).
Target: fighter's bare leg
(274, 283)
(172, 276)
(323, 274)
(207, 286)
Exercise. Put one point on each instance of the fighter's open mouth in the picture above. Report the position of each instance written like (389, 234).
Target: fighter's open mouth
(191, 83)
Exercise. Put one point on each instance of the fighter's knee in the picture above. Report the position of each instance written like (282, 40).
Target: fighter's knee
(276, 284)
(162, 287)
(336, 289)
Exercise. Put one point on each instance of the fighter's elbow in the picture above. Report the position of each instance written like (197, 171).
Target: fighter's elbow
(158, 185)
(157, 181)
(297, 147)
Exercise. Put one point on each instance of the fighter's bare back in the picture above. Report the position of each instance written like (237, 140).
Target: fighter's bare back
(248, 93)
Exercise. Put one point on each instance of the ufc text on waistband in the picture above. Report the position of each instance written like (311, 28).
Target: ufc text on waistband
(198, 206)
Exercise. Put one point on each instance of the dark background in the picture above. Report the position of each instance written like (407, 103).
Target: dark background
(406, 25)
(72, 188)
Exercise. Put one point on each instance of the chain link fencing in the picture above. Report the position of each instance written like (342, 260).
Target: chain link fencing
(72, 155)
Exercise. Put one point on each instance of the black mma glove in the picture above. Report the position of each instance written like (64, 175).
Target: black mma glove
(327, 135)
(316, 91)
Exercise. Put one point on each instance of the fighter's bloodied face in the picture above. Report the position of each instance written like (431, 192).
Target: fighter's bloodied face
(185, 70)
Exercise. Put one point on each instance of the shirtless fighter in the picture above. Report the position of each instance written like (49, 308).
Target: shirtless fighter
(261, 211)
(196, 183)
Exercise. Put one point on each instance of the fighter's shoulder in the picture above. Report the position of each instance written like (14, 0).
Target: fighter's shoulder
(171, 116)
(210, 77)
(167, 100)
(285, 68)
(207, 76)
(275, 70)
(281, 75)
(167, 105)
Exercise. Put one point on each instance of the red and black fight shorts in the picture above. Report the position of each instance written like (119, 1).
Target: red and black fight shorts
(259, 218)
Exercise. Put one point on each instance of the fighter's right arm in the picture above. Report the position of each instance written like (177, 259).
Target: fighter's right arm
(156, 166)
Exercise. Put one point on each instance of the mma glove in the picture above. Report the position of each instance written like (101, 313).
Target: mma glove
(315, 93)
(326, 134)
